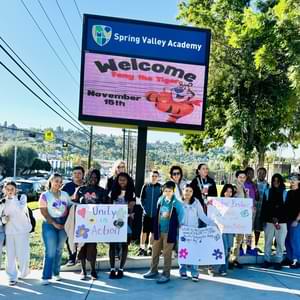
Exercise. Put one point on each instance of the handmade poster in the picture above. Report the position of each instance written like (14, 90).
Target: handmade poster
(200, 246)
(101, 223)
(232, 215)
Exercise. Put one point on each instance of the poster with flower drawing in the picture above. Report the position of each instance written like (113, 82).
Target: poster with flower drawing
(100, 223)
(200, 246)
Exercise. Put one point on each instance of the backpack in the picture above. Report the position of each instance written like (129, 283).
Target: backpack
(29, 215)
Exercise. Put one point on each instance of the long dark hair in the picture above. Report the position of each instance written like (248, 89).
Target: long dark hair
(226, 187)
(281, 181)
(188, 185)
(116, 188)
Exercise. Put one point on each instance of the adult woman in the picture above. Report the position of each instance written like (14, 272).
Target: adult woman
(293, 215)
(176, 175)
(90, 193)
(203, 185)
(54, 206)
(118, 167)
(122, 192)
(273, 215)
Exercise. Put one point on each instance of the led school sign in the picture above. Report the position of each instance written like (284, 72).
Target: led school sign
(136, 73)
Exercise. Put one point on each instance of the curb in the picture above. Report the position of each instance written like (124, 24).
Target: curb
(140, 262)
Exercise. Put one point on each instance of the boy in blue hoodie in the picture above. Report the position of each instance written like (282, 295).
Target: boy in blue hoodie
(169, 217)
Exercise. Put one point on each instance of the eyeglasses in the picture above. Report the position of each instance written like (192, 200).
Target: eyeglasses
(121, 167)
(176, 173)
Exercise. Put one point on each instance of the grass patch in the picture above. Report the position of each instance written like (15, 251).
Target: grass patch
(33, 205)
(37, 248)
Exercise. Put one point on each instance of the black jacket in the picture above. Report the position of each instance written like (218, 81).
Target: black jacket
(293, 204)
(212, 190)
(274, 206)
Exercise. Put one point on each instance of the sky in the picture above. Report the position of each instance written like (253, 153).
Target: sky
(18, 105)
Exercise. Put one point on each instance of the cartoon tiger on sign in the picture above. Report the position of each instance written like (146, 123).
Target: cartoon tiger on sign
(164, 102)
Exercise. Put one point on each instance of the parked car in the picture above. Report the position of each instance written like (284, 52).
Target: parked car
(31, 188)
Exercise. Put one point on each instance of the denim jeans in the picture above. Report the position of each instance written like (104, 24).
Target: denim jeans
(228, 242)
(292, 242)
(184, 268)
(54, 241)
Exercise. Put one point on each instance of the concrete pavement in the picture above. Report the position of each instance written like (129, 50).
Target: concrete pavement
(251, 282)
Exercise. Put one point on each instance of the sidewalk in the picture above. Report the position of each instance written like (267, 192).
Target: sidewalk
(251, 282)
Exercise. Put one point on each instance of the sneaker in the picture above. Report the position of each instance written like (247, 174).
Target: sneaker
(57, 278)
(120, 274)
(195, 278)
(258, 250)
(149, 252)
(277, 266)
(12, 282)
(210, 272)
(237, 265)
(45, 282)
(266, 265)
(286, 262)
(184, 276)
(83, 276)
(295, 265)
(222, 273)
(150, 274)
(163, 279)
(112, 274)
(142, 252)
(71, 263)
(94, 275)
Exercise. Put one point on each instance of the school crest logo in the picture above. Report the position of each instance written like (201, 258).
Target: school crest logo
(101, 34)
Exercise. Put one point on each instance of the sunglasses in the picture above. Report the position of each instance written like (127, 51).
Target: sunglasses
(176, 173)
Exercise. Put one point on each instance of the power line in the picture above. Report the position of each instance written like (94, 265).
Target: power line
(67, 23)
(50, 45)
(76, 121)
(60, 39)
(42, 133)
(80, 16)
(36, 77)
(28, 88)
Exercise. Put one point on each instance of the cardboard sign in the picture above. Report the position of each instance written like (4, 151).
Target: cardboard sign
(200, 246)
(232, 215)
(101, 223)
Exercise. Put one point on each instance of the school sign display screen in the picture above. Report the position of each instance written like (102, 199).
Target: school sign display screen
(136, 73)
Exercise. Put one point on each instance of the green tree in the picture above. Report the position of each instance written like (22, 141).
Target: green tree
(25, 157)
(253, 92)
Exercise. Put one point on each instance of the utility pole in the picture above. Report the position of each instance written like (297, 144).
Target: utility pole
(124, 144)
(90, 148)
(15, 162)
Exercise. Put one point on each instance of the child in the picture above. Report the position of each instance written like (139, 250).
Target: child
(149, 197)
(169, 217)
(2, 223)
(227, 191)
(17, 231)
(91, 193)
(193, 213)
(122, 193)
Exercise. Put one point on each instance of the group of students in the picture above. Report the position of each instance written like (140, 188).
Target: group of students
(165, 208)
